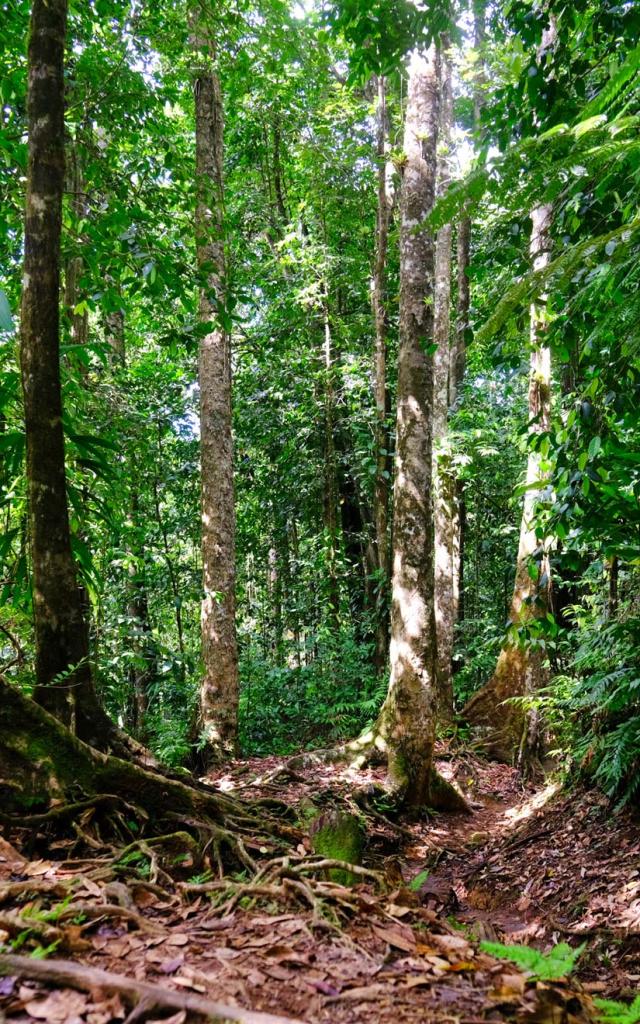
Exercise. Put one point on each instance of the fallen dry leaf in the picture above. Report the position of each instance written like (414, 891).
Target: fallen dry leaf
(400, 938)
(58, 1007)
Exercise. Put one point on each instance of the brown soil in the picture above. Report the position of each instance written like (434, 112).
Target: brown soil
(533, 866)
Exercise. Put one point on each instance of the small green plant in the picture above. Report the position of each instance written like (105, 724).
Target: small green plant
(48, 916)
(202, 878)
(619, 1013)
(42, 952)
(551, 966)
(419, 880)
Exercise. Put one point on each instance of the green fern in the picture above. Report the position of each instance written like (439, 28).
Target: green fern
(619, 1013)
(551, 966)
(609, 93)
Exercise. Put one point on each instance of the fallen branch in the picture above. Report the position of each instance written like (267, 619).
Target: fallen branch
(89, 979)
(13, 890)
(98, 910)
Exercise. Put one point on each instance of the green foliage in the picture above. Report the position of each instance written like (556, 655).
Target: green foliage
(552, 966)
(559, 124)
(330, 698)
(416, 883)
(598, 707)
(382, 32)
(612, 1012)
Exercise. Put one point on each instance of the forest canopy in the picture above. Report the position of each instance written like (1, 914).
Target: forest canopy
(240, 332)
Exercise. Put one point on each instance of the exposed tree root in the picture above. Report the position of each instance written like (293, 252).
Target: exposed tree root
(139, 993)
(41, 760)
(370, 748)
(96, 910)
(499, 723)
(16, 924)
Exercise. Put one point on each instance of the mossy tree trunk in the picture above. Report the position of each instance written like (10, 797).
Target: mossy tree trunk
(379, 309)
(41, 760)
(407, 719)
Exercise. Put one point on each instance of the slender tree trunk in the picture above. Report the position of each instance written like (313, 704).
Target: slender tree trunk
(407, 719)
(139, 624)
(218, 704)
(458, 348)
(383, 462)
(510, 732)
(443, 476)
(330, 492)
(115, 335)
(278, 177)
(140, 634)
(457, 352)
(73, 270)
(61, 635)
(613, 573)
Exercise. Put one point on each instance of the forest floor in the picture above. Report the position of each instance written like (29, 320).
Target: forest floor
(530, 866)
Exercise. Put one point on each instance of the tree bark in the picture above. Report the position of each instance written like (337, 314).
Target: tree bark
(510, 732)
(64, 683)
(142, 646)
(458, 348)
(457, 353)
(115, 335)
(383, 462)
(73, 270)
(41, 760)
(330, 490)
(443, 476)
(218, 702)
(407, 719)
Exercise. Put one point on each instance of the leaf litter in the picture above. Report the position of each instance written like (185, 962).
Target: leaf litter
(530, 867)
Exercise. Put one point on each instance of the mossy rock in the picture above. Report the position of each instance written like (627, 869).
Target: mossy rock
(339, 835)
(306, 811)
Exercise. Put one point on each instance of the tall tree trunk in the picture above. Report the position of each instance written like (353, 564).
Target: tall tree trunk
(73, 270)
(142, 646)
(407, 719)
(378, 302)
(443, 477)
(457, 355)
(139, 624)
(457, 352)
(330, 492)
(61, 635)
(115, 336)
(64, 681)
(218, 703)
(510, 732)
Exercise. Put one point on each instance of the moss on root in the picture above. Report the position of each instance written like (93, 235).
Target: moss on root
(339, 835)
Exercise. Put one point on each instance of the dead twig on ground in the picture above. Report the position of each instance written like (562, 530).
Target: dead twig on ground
(91, 979)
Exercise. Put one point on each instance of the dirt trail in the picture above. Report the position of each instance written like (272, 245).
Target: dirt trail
(532, 865)
(528, 866)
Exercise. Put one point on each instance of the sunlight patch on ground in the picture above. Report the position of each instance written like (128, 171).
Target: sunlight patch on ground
(529, 807)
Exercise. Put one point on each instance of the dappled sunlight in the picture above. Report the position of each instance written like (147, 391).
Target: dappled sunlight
(530, 807)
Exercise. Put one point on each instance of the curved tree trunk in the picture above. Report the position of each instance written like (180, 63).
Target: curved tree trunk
(218, 704)
(407, 719)
(510, 732)
(330, 481)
